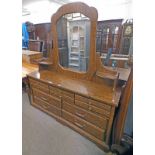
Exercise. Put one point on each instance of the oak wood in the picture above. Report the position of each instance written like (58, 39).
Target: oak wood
(31, 56)
(28, 68)
(100, 143)
(87, 93)
(103, 93)
(121, 115)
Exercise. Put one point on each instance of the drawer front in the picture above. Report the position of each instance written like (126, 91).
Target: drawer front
(46, 106)
(67, 116)
(65, 95)
(54, 110)
(99, 104)
(68, 94)
(99, 111)
(91, 129)
(67, 99)
(90, 117)
(56, 101)
(52, 100)
(81, 98)
(41, 103)
(40, 95)
(39, 85)
(55, 91)
(82, 104)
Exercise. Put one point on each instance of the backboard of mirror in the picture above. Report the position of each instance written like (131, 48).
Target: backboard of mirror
(74, 42)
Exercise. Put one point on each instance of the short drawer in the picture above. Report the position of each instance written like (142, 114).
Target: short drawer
(99, 111)
(67, 99)
(82, 104)
(67, 94)
(55, 101)
(54, 110)
(88, 116)
(40, 102)
(89, 128)
(55, 91)
(40, 95)
(46, 106)
(39, 85)
(81, 98)
(99, 104)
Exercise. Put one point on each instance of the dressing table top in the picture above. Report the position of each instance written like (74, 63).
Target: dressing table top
(86, 88)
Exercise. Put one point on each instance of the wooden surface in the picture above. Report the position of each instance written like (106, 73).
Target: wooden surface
(28, 68)
(123, 73)
(41, 31)
(86, 107)
(28, 52)
(122, 112)
(89, 12)
(31, 56)
(36, 45)
(104, 39)
(83, 87)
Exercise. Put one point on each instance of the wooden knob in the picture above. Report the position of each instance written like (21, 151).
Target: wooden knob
(90, 108)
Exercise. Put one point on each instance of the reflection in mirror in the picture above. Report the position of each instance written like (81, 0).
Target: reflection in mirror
(73, 41)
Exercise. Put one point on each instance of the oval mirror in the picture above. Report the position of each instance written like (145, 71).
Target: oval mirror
(73, 31)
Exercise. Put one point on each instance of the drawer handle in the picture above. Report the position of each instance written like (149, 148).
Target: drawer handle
(45, 106)
(90, 108)
(43, 98)
(79, 125)
(80, 115)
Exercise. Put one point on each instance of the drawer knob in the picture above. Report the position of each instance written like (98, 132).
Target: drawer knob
(43, 98)
(80, 115)
(79, 125)
(90, 108)
(45, 106)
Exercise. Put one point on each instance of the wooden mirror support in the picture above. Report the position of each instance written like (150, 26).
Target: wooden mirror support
(84, 101)
(89, 12)
(93, 66)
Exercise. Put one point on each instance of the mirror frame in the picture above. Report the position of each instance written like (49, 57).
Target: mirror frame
(92, 14)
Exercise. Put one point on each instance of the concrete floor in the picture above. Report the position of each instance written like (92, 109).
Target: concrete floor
(43, 135)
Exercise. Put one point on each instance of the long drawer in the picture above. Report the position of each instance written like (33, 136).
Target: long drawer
(85, 101)
(52, 100)
(100, 104)
(86, 115)
(89, 128)
(99, 111)
(82, 104)
(39, 85)
(55, 91)
(40, 102)
(46, 106)
(99, 108)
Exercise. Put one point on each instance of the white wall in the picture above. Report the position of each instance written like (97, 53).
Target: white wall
(42, 11)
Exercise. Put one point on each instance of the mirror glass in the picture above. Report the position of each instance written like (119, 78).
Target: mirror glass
(74, 41)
